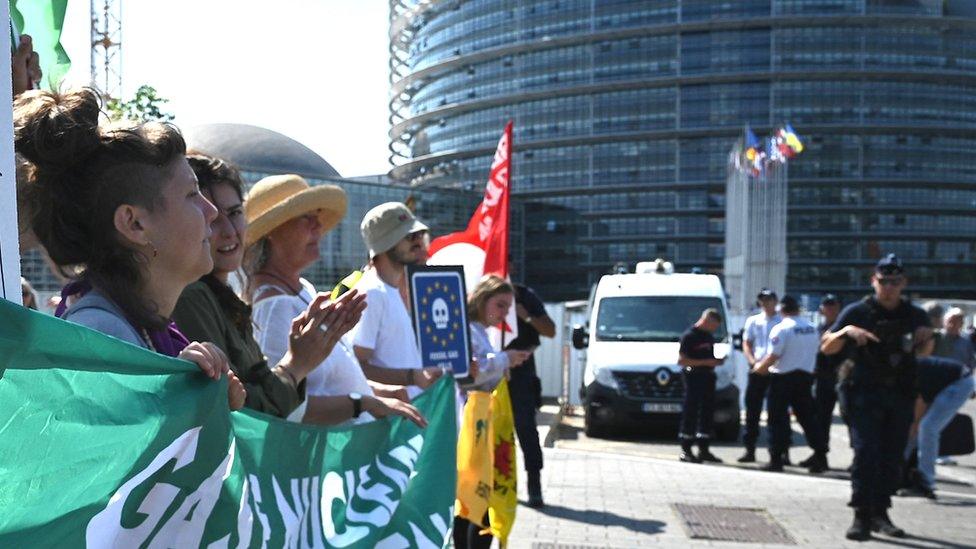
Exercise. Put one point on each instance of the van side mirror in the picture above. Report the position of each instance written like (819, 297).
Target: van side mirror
(737, 340)
(581, 339)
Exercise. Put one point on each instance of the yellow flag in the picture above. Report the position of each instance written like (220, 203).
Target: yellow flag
(504, 499)
(474, 459)
(346, 284)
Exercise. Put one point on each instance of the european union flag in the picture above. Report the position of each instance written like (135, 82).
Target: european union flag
(439, 306)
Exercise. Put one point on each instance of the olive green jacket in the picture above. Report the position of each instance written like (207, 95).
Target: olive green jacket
(200, 317)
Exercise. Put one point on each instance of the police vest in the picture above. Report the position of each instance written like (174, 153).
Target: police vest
(891, 361)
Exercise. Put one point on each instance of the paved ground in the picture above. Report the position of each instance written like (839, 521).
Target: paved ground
(621, 493)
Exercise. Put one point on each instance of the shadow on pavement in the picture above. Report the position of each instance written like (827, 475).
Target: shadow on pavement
(603, 518)
(924, 542)
(955, 503)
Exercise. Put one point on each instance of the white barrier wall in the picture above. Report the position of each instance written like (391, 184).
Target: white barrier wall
(554, 353)
(549, 355)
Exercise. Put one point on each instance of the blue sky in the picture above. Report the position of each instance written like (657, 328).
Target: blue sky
(315, 70)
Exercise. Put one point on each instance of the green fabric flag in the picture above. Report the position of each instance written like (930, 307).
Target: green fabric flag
(104, 444)
(43, 21)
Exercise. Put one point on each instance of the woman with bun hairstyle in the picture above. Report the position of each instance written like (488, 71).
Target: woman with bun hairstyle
(286, 219)
(209, 310)
(118, 210)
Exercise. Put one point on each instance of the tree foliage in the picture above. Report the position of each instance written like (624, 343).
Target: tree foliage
(145, 106)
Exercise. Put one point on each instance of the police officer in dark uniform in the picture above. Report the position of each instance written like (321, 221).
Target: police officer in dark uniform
(825, 374)
(525, 387)
(697, 356)
(884, 333)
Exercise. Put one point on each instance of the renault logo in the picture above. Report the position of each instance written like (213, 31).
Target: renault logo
(663, 377)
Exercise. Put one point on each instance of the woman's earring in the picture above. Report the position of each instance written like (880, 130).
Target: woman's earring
(154, 250)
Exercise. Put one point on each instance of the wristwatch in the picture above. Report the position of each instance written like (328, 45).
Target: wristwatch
(357, 404)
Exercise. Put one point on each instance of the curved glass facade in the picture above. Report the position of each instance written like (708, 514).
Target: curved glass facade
(625, 111)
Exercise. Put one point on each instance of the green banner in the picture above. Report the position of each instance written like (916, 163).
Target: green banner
(104, 444)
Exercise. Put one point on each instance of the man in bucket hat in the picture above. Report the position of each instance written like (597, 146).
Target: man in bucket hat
(384, 340)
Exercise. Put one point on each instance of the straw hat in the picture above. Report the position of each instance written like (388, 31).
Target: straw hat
(280, 198)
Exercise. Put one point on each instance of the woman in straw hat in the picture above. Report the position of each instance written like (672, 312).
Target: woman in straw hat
(286, 218)
(209, 310)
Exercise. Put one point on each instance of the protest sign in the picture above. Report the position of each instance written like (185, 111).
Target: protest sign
(439, 308)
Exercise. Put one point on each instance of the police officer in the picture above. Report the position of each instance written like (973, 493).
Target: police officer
(525, 386)
(790, 360)
(755, 339)
(697, 355)
(825, 374)
(885, 332)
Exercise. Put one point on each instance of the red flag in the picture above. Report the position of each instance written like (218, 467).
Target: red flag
(487, 231)
(482, 248)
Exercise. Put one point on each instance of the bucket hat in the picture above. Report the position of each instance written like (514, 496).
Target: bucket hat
(387, 224)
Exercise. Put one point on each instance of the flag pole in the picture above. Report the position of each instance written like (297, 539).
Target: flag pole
(508, 225)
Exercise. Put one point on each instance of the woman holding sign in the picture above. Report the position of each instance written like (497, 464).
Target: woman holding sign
(488, 304)
(118, 211)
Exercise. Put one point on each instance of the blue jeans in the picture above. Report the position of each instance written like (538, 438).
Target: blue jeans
(936, 417)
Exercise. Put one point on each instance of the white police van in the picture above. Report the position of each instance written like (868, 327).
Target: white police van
(631, 375)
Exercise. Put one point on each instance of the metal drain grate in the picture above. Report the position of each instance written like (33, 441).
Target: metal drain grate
(732, 524)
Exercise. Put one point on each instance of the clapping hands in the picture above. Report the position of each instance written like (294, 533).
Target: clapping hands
(315, 332)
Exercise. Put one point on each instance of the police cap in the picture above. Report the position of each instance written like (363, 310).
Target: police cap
(764, 293)
(889, 265)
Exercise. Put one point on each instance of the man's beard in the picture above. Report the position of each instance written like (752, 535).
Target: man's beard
(402, 258)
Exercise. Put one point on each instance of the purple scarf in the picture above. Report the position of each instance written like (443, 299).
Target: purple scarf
(169, 341)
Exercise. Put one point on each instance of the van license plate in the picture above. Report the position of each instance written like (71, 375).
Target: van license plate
(666, 407)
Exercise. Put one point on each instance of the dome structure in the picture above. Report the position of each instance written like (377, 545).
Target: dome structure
(257, 149)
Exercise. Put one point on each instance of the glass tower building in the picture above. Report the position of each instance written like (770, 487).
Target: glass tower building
(625, 111)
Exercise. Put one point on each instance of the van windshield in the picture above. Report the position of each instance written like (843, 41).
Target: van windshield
(652, 318)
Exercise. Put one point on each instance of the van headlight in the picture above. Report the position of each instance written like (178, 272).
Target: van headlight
(604, 376)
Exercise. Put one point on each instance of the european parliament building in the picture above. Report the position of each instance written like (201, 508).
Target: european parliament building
(625, 111)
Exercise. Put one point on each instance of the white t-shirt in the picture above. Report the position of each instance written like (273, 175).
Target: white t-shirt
(338, 374)
(796, 342)
(756, 332)
(385, 327)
